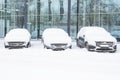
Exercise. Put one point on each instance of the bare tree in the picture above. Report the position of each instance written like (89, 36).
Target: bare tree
(96, 11)
(38, 18)
(21, 9)
(61, 9)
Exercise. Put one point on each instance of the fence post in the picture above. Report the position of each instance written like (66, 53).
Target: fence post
(5, 23)
(69, 17)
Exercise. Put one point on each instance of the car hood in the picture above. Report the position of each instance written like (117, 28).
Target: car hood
(101, 38)
(52, 40)
(18, 38)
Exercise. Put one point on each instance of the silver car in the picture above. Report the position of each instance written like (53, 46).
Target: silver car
(96, 39)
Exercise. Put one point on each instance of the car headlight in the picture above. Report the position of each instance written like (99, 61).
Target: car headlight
(99, 43)
(92, 43)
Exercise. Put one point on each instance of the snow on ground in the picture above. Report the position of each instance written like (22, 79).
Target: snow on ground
(37, 63)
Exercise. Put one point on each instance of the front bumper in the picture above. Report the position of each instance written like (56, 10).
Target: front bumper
(15, 44)
(103, 48)
(60, 46)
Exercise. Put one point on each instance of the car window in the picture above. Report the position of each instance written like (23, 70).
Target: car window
(81, 38)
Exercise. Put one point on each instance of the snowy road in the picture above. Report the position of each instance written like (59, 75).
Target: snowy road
(37, 63)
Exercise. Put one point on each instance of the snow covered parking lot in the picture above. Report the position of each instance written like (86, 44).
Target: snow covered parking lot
(37, 63)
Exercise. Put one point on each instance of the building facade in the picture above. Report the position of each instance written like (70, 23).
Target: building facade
(70, 15)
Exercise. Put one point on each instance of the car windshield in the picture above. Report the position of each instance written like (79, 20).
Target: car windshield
(55, 33)
(97, 32)
(18, 32)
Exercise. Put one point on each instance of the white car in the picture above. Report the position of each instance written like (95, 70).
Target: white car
(96, 39)
(56, 39)
(17, 38)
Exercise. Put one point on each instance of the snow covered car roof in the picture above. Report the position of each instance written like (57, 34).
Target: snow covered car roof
(92, 30)
(18, 34)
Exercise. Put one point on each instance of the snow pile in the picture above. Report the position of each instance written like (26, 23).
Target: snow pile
(37, 63)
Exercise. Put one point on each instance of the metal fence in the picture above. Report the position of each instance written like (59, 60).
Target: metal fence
(37, 15)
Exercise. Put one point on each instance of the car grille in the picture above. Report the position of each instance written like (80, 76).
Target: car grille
(15, 43)
(104, 48)
(58, 45)
(104, 44)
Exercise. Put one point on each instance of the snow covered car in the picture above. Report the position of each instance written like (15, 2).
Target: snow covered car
(17, 38)
(96, 39)
(56, 39)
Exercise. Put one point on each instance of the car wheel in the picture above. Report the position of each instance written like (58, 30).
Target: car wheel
(81, 46)
(46, 47)
(6, 46)
(77, 43)
(28, 45)
(88, 48)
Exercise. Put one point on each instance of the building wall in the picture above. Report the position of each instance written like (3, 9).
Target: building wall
(42, 14)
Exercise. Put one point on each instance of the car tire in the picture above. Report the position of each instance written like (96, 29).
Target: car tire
(6, 46)
(81, 46)
(88, 48)
(77, 43)
(46, 47)
(28, 45)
